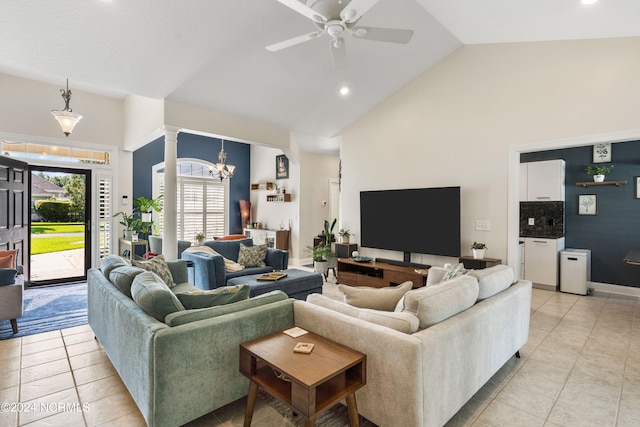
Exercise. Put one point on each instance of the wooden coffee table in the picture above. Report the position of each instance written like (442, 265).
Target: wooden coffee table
(308, 383)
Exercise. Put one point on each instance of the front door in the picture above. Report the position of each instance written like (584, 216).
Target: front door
(14, 217)
(60, 225)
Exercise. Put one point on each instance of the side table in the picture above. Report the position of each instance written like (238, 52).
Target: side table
(124, 244)
(478, 263)
(308, 383)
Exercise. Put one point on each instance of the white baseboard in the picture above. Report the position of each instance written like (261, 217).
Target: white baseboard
(615, 289)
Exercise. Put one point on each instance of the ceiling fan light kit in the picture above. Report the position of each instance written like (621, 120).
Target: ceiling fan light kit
(334, 19)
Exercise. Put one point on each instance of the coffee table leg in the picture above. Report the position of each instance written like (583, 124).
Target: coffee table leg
(251, 403)
(352, 407)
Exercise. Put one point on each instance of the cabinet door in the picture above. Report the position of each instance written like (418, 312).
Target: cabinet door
(545, 181)
(541, 260)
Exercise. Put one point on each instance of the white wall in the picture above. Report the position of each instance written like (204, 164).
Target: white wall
(455, 124)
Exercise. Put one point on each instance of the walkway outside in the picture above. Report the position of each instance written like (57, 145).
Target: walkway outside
(54, 265)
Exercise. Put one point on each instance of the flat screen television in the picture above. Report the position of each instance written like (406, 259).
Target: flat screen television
(422, 220)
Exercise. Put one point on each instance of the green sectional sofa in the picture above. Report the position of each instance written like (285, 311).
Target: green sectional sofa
(178, 373)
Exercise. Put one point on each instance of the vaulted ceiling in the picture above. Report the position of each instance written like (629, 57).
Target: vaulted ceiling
(212, 53)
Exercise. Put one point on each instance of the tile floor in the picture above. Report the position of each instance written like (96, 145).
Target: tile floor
(581, 367)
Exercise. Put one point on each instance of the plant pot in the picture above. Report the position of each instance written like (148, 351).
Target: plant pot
(345, 240)
(134, 237)
(128, 234)
(321, 267)
(598, 178)
(478, 253)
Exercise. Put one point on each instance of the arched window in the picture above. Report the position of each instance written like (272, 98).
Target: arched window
(202, 200)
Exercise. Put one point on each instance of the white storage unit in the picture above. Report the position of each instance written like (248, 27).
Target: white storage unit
(575, 270)
(543, 181)
(541, 258)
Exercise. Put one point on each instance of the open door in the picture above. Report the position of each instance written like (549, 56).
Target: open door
(14, 217)
(60, 226)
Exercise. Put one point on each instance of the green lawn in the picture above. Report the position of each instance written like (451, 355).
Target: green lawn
(44, 245)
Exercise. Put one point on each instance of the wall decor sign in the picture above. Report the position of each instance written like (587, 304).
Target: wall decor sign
(637, 181)
(587, 204)
(602, 153)
(282, 167)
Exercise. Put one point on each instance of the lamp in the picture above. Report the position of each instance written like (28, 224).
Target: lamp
(221, 169)
(245, 210)
(67, 118)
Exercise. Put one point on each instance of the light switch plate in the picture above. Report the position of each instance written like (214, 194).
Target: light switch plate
(532, 221)
(483, 225)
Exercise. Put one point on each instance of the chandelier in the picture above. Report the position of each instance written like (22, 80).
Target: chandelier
(67, 118)
(221, 169)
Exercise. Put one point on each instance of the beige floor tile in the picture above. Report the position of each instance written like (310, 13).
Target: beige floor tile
(76, 330)
(78, 338)
(10, 350)
(48, 405)
(40, 337)
(93, 372)
(499, 414)
(43, 357)
(44, 370)
(132, 419)
(11, 364)
(96, 390)
(83, 347)
(9, 379)
(108, 409)
(46, 386)
(87, 359)
(571, 415)
(8, 419)
(38, 346)
(62, 419)
(526, 400)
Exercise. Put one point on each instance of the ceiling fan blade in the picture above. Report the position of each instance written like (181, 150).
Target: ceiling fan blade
(338, 54)
(304, 10)
(391, 35)
(292, 41)
(355, 9)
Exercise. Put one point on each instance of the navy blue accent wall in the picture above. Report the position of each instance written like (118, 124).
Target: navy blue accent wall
(204, 148)
(616, 228)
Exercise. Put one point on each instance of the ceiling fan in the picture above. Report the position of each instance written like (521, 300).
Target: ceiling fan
(337, 18)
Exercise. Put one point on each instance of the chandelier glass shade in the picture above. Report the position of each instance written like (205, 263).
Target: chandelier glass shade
(66, 118)
(221, 169)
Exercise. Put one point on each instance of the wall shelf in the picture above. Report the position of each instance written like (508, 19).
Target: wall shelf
(263, 186)
(279, 197)
(594, 184)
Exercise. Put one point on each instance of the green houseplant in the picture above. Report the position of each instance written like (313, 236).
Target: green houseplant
(599, 171)
(345, 234)
(321, 256)
(200, 238)
(147, 206)
(478, 250)
(131, 224)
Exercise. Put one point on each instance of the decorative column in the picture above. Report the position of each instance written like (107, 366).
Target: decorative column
(170, 224)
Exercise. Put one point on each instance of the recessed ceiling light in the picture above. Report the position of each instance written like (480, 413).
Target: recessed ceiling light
(344, 90)
(589, 1)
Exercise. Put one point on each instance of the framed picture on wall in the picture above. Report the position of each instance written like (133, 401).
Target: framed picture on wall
(587, 204)
(637, 181)
(601, 153)
(282, 167)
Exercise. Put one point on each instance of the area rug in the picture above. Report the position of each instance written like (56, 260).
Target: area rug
(50, 308)
(336, 416)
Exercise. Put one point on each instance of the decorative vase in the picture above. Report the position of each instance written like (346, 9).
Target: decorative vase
(478, 253)
(598, 178)
(345, 239)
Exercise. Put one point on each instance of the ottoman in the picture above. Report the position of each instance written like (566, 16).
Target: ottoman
(298, 284)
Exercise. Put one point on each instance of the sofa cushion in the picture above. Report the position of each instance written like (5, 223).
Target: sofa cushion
(228, 248)
(188, 316)
(435, 275)
(252, 256)
(213, 297)
(402, 322)
(7, 276)
(229, 265)
(159, 266)
(453, 271)
(122, 277)
(9, 258)
(110, 262)
(375, 298)
(493, 280)
(433, 304)
(153, 296)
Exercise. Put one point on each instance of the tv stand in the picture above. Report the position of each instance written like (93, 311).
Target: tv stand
(378, 274)
(404, 263)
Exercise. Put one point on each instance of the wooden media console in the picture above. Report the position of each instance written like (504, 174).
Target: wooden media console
(377, 274)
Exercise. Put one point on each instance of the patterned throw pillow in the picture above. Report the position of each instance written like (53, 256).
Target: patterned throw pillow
(219, 296)
(454, 271)
(159, 266)
(252, 256)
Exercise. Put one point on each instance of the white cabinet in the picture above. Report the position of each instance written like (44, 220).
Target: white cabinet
(541, 259)
(543, 181)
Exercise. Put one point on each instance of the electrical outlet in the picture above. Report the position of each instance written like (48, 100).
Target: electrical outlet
(483, 225)
(532, 221)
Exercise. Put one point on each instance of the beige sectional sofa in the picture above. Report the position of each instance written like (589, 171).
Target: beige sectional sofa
(422, 370)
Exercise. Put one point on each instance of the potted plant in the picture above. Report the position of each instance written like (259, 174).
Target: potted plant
(146, 206)
(320, 255)
(478, 250)
(200, 238)
(328, 231)
(599, 171)
(130, 223)
(344, 235)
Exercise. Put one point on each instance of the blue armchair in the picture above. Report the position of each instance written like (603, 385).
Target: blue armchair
(209, 271)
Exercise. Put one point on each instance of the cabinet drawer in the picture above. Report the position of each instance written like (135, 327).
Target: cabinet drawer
(398, 277)
(372, 281)
(347, 277)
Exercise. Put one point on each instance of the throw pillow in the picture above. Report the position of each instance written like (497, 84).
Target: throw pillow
(219, 296)
(7, 261)
(8, 276)
(122, 277)
(384, 299)
(454, 271)
(159, 266)
(13, 254)
(152, 295)
(252, 256)
(493, 280)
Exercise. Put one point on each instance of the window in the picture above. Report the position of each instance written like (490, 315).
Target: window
(28, 150)
(202, 201)
(104, 217)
